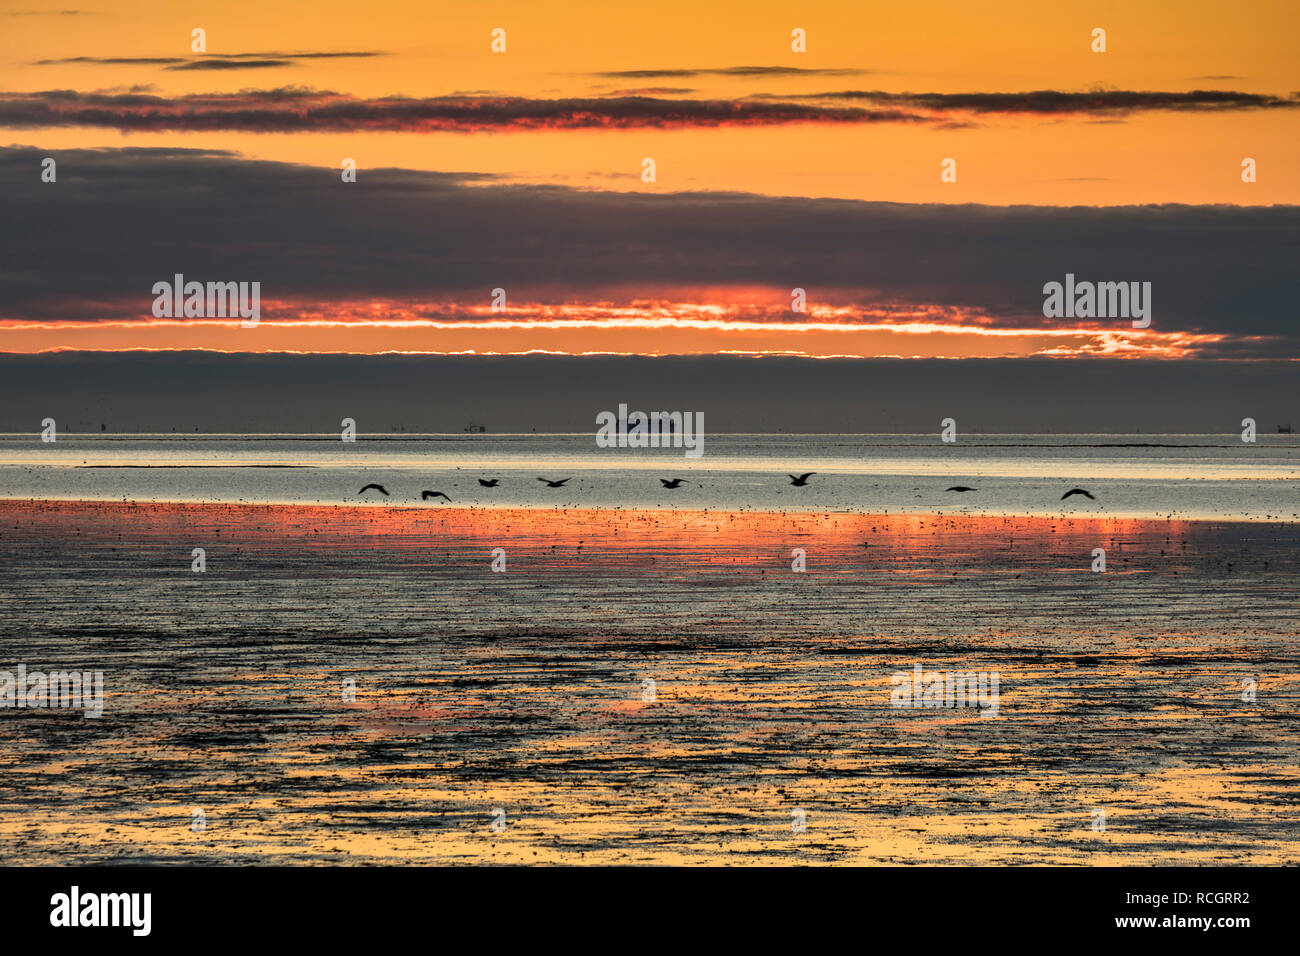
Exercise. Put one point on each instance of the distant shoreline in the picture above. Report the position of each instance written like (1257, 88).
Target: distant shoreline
(1230, 438)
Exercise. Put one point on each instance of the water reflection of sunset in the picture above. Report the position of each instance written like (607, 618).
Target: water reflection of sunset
(546, 539)
(525, 689)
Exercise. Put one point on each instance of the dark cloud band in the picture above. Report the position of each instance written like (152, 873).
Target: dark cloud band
(294, 109)
(298, 110)
(734, 71)
(119, 220)
(214, 61)
(1059, 101)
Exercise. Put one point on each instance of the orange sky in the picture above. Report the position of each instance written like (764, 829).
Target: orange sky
(560, 50)
(552, 49)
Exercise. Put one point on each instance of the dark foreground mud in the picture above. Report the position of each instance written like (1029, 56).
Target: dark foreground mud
(529, 691)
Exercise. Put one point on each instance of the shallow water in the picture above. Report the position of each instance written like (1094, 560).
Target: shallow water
(524, 690)
(1197, 476)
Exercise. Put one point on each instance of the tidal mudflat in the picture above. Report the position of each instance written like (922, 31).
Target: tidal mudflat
(646, 687)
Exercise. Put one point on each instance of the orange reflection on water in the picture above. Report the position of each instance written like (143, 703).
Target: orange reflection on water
(608, 535)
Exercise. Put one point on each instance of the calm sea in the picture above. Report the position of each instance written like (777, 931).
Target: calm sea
(1185, 476)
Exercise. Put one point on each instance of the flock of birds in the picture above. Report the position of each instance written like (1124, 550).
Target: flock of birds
(1072, 491)
(799, 481)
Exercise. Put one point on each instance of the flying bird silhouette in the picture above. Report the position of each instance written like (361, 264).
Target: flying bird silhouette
(960, 488)
(554, 484)
(426, 495)
(379, 488)
(1077, 491)
(488, 482)
(675, 483)
(801, 480)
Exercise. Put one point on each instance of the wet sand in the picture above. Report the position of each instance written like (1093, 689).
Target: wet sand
(524, 690)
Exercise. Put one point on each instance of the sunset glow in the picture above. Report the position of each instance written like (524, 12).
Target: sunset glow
(656, 334)
(525, 168)
(739, 433)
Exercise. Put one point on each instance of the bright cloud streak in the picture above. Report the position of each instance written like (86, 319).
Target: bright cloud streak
(828, 333)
